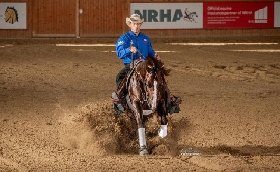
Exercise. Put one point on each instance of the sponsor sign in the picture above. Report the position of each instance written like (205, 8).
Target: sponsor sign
(276, 14)
(169, 15)
(12, 15)
(238, 14)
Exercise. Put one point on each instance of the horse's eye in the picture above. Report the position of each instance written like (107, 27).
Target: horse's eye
(150, 69)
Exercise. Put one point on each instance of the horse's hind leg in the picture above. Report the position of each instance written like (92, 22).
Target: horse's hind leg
(163, 127)
(163, 120)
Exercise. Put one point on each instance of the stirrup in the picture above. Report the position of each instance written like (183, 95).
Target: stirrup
(117, 104)
(115, 98)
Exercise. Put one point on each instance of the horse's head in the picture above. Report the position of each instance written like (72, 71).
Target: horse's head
(11, 15)
(152, 74)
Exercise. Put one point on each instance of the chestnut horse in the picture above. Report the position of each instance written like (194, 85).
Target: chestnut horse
(147, 93)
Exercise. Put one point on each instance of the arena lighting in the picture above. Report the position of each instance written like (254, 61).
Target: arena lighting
(259, 43)
(266, 51)
(85, 45)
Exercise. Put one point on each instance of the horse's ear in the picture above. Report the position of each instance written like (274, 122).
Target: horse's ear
(167, 72)
(141, 57)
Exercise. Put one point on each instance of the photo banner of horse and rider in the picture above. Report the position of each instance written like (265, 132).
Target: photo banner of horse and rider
(208, 15)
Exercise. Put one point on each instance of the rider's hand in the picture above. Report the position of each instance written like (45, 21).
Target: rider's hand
(133, 49)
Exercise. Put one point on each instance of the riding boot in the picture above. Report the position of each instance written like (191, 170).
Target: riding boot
(121, 89)
(117, 105)
(117, 97)
(175, 102)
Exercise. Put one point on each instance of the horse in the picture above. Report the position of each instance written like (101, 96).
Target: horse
(147, 93)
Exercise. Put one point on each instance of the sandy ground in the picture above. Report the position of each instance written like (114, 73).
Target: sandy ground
(56, 113)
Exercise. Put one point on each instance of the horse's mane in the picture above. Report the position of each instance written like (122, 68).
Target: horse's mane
(142, 67)
(160, 66)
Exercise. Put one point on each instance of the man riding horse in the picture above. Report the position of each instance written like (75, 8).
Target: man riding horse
(134, 45)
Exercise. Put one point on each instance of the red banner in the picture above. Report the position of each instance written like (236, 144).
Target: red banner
(238, 14)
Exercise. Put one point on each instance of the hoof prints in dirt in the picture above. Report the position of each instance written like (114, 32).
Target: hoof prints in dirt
(247, 150)
(249, 72)
(270, 73)
(118, 134)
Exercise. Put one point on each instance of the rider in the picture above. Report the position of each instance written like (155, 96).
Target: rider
(130, 46)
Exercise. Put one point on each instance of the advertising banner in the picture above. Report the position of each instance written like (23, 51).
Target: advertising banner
(169, 15)
(12, 15)
(276, 14)
(238, 14)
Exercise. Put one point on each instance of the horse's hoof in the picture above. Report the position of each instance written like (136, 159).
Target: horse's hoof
(143, 151)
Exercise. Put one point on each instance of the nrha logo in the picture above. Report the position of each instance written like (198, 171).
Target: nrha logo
(167, 15)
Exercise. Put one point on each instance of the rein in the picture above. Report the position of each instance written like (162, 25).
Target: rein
(132, 70)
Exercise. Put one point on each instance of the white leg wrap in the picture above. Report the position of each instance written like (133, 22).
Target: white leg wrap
(162, 131)
(142, 136)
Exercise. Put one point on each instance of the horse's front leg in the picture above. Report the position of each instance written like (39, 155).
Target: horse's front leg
(138, 112)
(163, 120)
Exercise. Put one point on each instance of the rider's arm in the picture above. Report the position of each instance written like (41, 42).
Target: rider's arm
(151, 51)
(122, 48)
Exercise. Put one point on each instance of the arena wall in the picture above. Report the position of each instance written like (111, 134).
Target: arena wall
(105, 18)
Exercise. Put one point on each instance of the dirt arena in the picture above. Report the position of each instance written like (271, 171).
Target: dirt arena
(56, 113)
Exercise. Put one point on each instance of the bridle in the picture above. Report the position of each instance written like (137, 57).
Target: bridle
(145, 93)
(152, 70)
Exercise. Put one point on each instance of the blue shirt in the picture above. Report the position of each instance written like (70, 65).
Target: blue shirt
(141, 42)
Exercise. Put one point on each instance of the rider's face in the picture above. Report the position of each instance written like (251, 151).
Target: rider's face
(135, 27)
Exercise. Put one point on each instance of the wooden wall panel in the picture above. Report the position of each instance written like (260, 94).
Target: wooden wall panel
(19, 33)
(54, 18)
(102, 18)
